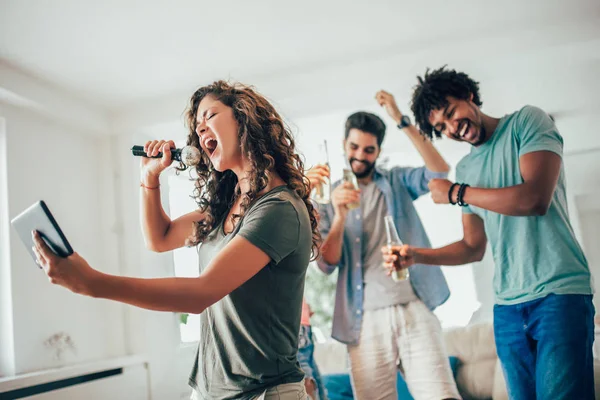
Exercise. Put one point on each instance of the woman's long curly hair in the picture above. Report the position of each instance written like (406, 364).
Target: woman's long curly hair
(265, 140)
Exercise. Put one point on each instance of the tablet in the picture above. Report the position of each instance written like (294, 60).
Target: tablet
(38, 217)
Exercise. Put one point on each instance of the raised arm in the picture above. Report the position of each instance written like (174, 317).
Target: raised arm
(159, 231)
(433, 159)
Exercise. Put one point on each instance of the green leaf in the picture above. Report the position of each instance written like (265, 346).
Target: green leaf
(183, 317)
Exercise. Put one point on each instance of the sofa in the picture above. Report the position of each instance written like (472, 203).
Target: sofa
(478, 374)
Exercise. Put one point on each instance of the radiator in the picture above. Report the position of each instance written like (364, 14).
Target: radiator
(119, 379)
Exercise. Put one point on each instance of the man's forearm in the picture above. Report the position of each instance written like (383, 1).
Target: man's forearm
(433, 159)
(331, 250)
(458, 253)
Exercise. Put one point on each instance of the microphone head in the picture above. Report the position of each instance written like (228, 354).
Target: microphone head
(190, 156)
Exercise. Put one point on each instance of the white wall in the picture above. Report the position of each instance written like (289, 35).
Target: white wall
(583, 189)
(69, 170)
(590, 231)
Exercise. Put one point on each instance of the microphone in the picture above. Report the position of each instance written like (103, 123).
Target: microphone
(189, 155)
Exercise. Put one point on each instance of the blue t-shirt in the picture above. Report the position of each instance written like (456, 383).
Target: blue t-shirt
(535, 255)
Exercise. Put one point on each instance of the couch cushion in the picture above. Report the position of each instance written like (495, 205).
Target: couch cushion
(471, 343)
(474, 345)
(338, 386)
(476, 380)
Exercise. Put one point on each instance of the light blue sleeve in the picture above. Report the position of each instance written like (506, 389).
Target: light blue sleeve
(416, 179)
(537, 132)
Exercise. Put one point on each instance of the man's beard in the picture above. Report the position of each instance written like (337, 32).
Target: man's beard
(368, 168)
(482, 136)
(482, 132)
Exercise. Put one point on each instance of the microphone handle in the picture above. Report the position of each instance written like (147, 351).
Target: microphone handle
(138, 151)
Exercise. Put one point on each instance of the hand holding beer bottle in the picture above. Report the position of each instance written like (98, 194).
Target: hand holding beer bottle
(318, 177)
(399, 272)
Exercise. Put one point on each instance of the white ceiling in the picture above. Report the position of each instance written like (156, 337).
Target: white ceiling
(116, 53)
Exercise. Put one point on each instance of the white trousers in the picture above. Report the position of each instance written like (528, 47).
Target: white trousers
(406, 337)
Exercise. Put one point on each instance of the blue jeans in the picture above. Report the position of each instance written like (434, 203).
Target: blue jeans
(545, 347)
(306, 350)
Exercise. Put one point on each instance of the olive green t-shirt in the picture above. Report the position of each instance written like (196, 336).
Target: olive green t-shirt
(249, 339)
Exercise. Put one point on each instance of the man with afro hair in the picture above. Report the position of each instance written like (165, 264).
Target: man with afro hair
(511, 188)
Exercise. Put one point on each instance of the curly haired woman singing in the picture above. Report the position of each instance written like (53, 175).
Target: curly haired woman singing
(255, 229)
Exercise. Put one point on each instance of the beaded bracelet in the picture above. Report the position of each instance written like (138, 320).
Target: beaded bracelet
(461, 193)
(450, 193)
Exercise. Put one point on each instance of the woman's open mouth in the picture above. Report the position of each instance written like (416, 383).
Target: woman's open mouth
(210, 145)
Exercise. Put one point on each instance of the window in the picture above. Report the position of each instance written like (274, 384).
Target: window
(319, 293)
(463, 301)
(185, 259)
